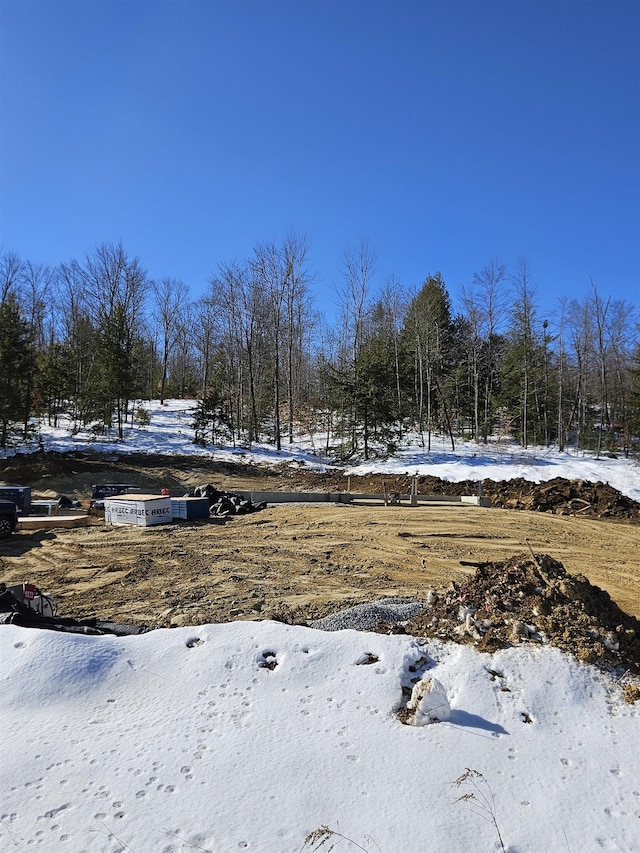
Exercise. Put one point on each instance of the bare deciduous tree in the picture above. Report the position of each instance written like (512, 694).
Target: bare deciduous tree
(11, 269)
(170, 302)
(485, 303)
(358, 266)
(116, 288)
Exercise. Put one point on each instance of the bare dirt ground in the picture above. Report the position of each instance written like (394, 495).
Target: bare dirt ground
(298, 562)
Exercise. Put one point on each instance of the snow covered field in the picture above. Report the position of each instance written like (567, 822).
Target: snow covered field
(252, 736)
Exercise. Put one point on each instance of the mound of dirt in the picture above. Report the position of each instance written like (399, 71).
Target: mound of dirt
(532, 599)
(563, 497)
(77, 470)
(558, 496)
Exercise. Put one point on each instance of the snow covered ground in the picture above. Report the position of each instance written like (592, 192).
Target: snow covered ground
(183, 739)
(170, 431)
(254, 735)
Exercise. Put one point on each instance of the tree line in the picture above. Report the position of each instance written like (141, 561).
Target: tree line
(91, 338)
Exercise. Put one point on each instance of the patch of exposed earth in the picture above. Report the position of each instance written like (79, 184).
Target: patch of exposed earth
(300, 562)
(73, 474)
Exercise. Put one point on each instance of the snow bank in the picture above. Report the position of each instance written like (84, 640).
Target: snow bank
(252, 735)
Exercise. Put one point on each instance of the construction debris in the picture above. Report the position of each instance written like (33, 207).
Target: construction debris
(226, 503)
(26, 606)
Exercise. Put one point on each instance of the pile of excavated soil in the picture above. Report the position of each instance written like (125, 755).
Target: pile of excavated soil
(559, 496)
(564, 497)
(531, 599)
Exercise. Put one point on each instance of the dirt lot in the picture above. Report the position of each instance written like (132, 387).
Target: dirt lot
(299, 562)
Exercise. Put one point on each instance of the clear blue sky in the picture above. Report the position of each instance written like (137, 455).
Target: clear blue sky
(444, 133)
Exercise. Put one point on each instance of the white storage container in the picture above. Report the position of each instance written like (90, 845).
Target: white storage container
(141, 510)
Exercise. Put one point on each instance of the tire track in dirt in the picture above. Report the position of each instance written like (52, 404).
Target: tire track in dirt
(303, 561)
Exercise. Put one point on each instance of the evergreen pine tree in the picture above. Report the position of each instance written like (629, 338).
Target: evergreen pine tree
(17, 362)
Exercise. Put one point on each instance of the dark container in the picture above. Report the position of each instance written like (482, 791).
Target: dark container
(20, 495)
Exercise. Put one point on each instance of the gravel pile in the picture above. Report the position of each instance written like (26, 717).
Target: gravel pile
(369, 617)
